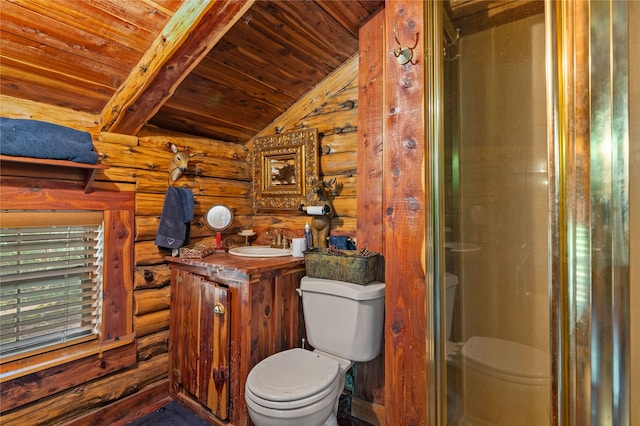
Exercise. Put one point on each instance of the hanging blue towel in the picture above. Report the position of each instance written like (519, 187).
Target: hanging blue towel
(175, 222)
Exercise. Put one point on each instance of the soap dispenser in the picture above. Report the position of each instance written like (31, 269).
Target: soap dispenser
(308, 236)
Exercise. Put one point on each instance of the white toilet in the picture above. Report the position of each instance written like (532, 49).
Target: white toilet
(505, 382)
(297, 387)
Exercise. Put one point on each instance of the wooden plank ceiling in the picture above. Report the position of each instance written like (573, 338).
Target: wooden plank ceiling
(219, 69)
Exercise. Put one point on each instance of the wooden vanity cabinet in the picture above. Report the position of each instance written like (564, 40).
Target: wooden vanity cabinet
(227, 314)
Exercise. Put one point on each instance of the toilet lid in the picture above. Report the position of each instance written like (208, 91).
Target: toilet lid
(507, 357)
(292, 375)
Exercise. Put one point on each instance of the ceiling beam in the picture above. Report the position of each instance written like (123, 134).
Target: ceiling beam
(187, 38)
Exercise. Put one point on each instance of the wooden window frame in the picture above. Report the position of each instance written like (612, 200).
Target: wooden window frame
(115, 349)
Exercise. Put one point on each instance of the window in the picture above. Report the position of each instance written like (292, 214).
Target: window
(50, 280)
(98, 338)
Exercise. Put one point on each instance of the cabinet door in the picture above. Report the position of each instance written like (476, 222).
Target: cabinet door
(215, 329)
(184, 332)
(199, 341)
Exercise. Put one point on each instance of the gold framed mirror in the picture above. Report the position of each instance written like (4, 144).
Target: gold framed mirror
(285, 167)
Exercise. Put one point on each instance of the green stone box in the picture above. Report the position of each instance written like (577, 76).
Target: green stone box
(352, 266)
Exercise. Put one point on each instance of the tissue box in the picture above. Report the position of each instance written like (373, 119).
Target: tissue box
(349, 266)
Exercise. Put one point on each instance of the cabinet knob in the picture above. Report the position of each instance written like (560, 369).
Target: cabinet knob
(218, 309)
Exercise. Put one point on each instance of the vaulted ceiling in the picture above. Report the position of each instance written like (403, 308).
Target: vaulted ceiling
(220, 69)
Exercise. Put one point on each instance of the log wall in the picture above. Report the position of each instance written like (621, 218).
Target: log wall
(332, 108)
(218, 173)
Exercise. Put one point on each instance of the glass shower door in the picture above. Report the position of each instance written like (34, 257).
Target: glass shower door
(495, 230)
(531, 229)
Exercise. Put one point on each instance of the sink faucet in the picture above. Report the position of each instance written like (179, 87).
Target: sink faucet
(276, 236)
(278, 239)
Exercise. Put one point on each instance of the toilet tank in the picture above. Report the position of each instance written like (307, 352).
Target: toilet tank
(344, 319)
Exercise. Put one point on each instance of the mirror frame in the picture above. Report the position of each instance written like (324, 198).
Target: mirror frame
(209, 220)
(285, 168)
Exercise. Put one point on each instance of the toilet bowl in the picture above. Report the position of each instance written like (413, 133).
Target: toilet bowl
(505, 383)
(295, 387)
(301, 387)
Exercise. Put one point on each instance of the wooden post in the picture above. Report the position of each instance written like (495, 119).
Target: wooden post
(405, 208)
(369, 377)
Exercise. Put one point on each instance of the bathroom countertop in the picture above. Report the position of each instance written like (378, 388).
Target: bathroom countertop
(225, 266)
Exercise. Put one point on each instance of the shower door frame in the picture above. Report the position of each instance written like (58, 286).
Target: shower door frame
(588, 212)
(588, 116)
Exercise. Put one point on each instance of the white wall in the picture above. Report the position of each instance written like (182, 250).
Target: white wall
(503, 183)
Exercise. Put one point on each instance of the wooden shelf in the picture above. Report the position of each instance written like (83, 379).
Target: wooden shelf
(51, 169)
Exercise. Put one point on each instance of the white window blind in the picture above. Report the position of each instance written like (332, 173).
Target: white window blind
(50, 280)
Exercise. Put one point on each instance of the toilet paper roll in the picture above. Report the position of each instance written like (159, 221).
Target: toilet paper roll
(316, 210)
(298, 246)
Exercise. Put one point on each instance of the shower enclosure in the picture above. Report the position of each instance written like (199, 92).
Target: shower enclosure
(532, 232)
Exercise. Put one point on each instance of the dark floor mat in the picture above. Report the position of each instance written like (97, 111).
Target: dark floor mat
(172, 414)
(175, 414)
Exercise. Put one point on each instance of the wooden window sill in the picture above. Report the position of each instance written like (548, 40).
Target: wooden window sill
(36, 363)
(62, 369)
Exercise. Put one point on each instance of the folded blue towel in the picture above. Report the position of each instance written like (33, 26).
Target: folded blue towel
(38, 139)
(341, 242)
(175, 222)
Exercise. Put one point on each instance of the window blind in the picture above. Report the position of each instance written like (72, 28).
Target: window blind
(50, 281)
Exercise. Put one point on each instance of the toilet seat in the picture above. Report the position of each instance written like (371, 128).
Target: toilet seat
(292, 379)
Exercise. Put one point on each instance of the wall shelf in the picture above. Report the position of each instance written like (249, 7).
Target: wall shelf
(51, 169)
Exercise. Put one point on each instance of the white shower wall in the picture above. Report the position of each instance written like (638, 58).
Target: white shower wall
(503, 191)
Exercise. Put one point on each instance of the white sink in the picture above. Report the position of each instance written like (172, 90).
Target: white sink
(259, 251)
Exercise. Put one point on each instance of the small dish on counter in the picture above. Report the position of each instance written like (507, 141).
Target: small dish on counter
(246, 233)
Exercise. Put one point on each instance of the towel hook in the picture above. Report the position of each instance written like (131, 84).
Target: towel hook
(194, 182)
(404, 54)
